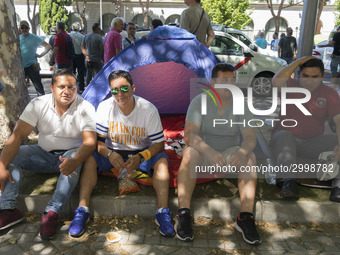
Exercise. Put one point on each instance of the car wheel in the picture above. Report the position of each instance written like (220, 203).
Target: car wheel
(262, 85)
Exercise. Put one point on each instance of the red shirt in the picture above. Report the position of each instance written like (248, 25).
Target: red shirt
(60, 42)
(324, 104)
(113, 41)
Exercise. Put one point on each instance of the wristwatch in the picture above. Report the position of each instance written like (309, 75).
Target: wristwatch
(142, 159)
(109, 154)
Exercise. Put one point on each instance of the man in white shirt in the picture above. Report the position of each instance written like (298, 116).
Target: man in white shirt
(67, 138)
(79, 60)
(130, 136)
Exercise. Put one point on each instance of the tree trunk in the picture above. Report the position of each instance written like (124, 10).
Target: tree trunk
(321, 5)
(145, 12)
(32, 20)
(14, 97)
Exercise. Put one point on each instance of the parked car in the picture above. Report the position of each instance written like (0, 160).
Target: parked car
(325, 53)
(46, 69)
(253, 68)
(245, 39)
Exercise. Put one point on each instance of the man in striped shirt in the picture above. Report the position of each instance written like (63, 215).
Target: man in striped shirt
(130, 136)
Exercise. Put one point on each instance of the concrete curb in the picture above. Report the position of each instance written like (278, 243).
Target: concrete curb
(226, 209)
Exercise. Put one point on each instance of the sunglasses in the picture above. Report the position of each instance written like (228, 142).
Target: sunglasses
(124, 89)
(23, 27)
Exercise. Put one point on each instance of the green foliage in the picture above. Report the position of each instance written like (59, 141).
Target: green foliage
(52, 11)
(337, 15)
(228, 12)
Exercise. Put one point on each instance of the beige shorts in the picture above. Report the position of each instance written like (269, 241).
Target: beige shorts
(226, 153)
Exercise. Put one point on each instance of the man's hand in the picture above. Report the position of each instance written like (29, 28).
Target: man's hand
(117, 161)
(216, 158)
(51, 62)
(132, 163)
(4, 176)
(67, 166)
(88, 58)
(238, 158)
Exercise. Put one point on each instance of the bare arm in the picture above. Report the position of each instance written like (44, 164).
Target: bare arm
(85, 150)
(192, 138)
(84, 51)
(280, 79)
(55, 51)
(279, 51)
(133, 162)
(330, 44)
(118, 50)
(47, 49)
(241, 156)
(210, 39)
(21, 131)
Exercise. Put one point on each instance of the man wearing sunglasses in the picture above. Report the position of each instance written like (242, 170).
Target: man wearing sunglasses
(129, 136)
(29, 44)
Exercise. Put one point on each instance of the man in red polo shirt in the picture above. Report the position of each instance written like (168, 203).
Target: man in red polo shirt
(59, 51)
(113, 39)
(306, 137)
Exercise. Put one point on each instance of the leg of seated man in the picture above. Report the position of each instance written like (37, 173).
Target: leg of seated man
(88, 181)
(245, 222)
(161, 180)
(186, 183)
(284, 147)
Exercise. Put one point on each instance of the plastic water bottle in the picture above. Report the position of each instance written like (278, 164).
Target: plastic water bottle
(270, 174)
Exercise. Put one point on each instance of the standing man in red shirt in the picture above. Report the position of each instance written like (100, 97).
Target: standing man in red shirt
(59, 50)
(113, 39)
(305, 139)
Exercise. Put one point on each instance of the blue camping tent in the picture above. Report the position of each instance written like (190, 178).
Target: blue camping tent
(161, 66)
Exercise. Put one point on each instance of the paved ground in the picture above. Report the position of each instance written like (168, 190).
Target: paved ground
(140, 236)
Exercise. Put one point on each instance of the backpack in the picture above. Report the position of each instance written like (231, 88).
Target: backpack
(70, 53)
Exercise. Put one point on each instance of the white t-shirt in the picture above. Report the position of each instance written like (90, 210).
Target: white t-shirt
(55, 132)
(136, 131)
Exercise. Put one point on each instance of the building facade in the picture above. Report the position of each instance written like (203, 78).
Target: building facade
(169, 11)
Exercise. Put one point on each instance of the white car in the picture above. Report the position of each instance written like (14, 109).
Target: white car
(245, 39)
(325, 53)
(253, 69)
(46, 69)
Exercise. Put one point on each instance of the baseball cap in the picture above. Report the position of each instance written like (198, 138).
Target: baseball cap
(24, 23)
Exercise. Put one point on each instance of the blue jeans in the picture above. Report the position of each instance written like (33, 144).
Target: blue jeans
(34, 75)
(334, 64)
(34, 158)
(65, 65)
(286, 148)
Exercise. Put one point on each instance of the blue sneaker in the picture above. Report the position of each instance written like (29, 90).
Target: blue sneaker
(80, 219)
(163, 220)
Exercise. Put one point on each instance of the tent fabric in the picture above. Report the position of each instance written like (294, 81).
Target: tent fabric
(168, 45)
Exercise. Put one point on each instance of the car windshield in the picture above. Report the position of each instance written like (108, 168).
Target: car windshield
(225, 46)
(242, 38)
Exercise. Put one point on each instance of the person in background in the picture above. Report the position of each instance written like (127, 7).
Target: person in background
(155, 23)
(273, 44)
(335, 55)
(197, 21)
(29, 44)
(287, 49)
(113, 39)
(261, 41)
(93, 50)
(79, 61)
(59, 54)
(131, 38)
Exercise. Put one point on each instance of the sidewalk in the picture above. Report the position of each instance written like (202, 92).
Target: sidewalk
(140, 236)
